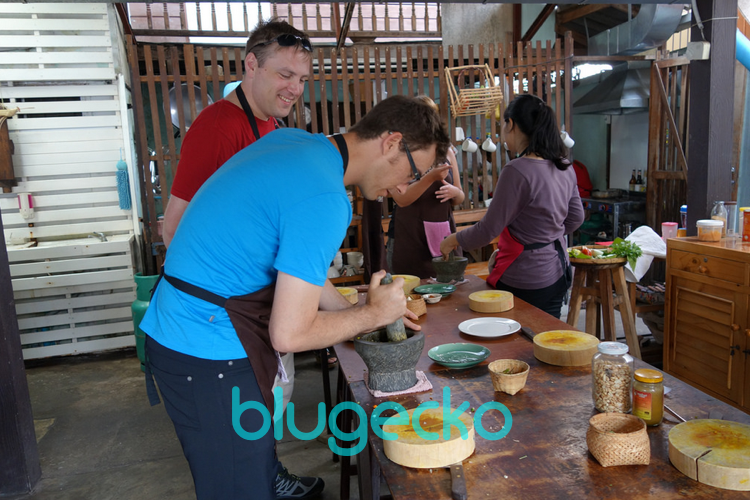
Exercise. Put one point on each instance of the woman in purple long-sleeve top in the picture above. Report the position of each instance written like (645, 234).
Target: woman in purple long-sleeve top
(536, 203)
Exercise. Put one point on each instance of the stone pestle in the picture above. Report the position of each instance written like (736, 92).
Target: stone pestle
(395, 331)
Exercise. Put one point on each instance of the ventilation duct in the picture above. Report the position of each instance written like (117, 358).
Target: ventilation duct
(653, 26)
(626, 89)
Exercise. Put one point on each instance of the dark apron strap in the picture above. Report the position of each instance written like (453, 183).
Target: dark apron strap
(250, 315)
(564, 265)
(343, 149)
(249, 112)
(195, 291)
(190, 289)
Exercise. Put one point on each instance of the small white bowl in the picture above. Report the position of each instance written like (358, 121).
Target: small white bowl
(432, 298)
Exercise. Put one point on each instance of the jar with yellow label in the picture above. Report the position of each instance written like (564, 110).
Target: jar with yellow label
(648, 395)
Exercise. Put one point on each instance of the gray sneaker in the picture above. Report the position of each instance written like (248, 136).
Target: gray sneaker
(290, 486)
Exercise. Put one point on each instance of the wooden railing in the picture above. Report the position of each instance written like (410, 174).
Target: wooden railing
(369, 20)
(344, 85)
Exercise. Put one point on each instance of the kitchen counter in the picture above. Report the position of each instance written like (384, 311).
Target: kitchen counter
(545, 453)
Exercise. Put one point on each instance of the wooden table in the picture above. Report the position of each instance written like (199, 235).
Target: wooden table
(545, 453)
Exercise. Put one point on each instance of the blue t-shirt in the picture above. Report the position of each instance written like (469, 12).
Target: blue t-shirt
(278, 205)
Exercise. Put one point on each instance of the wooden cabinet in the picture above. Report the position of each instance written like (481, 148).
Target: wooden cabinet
(707, 323)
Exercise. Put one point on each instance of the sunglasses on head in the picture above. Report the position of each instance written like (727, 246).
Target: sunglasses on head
(286, 40)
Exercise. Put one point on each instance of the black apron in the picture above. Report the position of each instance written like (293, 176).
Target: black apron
(250, 315)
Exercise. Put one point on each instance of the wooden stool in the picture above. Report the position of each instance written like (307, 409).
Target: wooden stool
(597, 292)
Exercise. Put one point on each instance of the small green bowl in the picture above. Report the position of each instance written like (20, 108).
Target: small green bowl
(458, 355)
(444, 290)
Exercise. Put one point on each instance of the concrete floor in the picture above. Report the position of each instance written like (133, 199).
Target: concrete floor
(99, 439)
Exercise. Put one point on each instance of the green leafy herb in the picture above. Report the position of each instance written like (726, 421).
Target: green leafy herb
(507, 370)
(627, 249)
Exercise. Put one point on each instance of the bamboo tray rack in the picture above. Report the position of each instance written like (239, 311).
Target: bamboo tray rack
(472, 101)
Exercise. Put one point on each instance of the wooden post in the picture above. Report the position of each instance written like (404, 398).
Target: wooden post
(711, 111)
(19, 460)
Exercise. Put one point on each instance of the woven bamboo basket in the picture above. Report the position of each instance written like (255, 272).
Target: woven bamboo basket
(416, 304)
(472, 101)
(618, 439)
(512, 381)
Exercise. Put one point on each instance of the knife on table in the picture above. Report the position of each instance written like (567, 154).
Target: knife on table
(458, 482)
(528, 333)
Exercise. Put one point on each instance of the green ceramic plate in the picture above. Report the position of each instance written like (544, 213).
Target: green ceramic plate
(458, 355)
(443, 290)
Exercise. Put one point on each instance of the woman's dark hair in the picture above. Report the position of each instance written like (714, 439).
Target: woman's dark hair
(537, 121)
(414, 117)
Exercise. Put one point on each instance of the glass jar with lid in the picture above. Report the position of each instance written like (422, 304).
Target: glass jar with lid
(612, 374)
(648, 395)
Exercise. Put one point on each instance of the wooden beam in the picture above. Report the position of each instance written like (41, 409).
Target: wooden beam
(567, 15)
(665, 102)
(20, 470)
(711, 111)
(538, 22)
(578, 38)
(345, 25)
(516, 22)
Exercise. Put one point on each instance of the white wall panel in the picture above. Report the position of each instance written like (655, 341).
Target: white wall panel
(57, 66)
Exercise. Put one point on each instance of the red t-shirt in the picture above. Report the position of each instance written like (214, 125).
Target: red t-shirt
(219, 132)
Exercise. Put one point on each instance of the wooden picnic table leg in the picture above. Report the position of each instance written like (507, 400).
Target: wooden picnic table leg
(368, 473)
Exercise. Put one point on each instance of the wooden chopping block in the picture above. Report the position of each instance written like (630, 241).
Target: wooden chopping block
(349, 294)
(713, 452)
(410, 450)
(491, 301)
(565, 347)
(409, 282)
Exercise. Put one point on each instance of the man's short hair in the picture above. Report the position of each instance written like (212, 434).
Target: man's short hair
(413, 117)
(266, 31)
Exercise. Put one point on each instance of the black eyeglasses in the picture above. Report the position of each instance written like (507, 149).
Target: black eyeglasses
(414, 170)
(286, 40)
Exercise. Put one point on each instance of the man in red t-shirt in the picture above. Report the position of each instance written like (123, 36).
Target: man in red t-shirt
(277, 66)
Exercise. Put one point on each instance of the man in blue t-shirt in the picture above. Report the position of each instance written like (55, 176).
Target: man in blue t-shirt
(255, 285)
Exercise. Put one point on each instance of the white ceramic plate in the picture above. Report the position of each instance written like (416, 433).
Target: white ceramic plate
(489, 327)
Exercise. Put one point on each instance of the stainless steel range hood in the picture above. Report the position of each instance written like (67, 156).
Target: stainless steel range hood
(625, 90)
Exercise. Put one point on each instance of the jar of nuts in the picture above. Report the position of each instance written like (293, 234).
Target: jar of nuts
(612, 372)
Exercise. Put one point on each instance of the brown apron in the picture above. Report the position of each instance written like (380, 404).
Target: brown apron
(411, 251)
(250, 315)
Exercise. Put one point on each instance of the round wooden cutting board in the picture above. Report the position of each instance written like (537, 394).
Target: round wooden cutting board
(491, 301)
(713, 452)
(565, 347)
(349, 294)
(410, 450)
(410, 282)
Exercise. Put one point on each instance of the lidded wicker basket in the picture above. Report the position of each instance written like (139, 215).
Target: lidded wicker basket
(472, 101)
(416, 304)
(618, 439)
